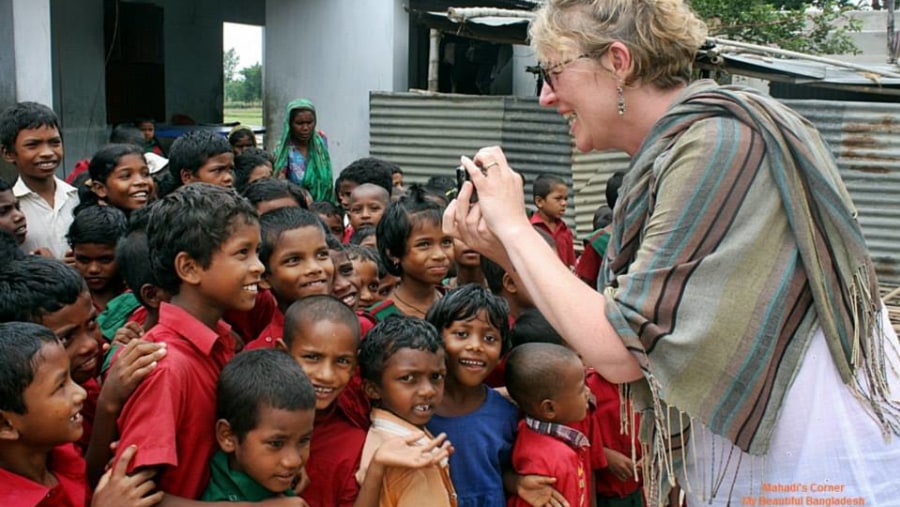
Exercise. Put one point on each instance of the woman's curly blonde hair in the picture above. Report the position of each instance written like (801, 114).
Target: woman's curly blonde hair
(662, 35)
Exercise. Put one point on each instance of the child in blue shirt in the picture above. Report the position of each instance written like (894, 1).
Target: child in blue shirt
(473, 324)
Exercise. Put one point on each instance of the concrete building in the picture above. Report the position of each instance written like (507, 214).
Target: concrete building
(100, 62)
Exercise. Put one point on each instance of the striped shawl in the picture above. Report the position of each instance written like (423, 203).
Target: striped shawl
(734, 239)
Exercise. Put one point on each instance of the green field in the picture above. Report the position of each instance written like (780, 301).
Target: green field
(244, 115)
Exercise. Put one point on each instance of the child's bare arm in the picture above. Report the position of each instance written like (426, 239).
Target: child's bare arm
(135, 362)
(400, 452)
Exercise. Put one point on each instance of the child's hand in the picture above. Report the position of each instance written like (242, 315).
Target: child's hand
(125, 334)
(69, 258)
(136, 361)
(407, 452)
(117, 488)
(620, 465)
(538, 491)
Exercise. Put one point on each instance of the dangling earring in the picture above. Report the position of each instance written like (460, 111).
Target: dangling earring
(621, 94)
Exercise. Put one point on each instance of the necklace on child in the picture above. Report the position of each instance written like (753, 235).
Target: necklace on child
(409, 305)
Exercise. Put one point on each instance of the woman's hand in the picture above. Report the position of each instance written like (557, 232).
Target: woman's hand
(501, 193)
(500, 207)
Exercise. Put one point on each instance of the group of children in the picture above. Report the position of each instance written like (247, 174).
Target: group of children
(176, 341)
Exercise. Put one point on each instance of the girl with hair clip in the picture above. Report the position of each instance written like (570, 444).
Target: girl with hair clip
(302, 153)
(737, 295)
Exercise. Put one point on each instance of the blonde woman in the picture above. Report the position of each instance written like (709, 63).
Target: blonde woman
(740, 304)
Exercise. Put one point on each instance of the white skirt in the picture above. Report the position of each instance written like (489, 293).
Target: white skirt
(826, 448)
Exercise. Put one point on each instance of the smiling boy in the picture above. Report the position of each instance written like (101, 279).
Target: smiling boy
(202, 241)
(297, 264)
(321, 333)
(30, 140)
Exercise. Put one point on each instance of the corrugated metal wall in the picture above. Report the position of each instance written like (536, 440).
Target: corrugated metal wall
(426, 134)
(865, 139)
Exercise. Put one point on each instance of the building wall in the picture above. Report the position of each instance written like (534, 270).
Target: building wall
(192, 31)
(333, 52)
(79, 81)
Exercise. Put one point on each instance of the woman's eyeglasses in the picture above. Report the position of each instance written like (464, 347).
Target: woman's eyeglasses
(548, 72)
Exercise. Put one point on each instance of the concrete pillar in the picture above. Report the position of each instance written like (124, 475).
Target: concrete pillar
(33, 56)
(334, 52)
(524, 83)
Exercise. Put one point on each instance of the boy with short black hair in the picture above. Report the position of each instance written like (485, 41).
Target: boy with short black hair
(506, 285)
(30, 140)
(367, 205)
(588, 267)
(39, 424)
(51, 293)
(331, 215)
(612, 438)
(147, 126)
(265, 410)
(297, 264)
(402, 366)
(363, 170)
(322, 335)
(93, 236)
(551, 195)
(547, 382)
(269, 194)
(40, 417)
(202, 156)
(12, 220)
(203, 241)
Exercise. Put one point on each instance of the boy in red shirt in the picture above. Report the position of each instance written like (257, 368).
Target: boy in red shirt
(202, 240)
(322, 334)
(547, 381)
(616, 481)
(40, 419)
(297, 264)
(550, 195)
(50, 293)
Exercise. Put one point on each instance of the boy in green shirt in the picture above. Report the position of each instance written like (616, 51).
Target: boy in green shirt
(265, 411)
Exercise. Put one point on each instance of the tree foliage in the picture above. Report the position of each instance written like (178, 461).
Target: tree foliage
(241, 85)
(230, 63)
(809, 26)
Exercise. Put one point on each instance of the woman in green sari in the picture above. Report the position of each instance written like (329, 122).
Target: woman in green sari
(302, 153)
